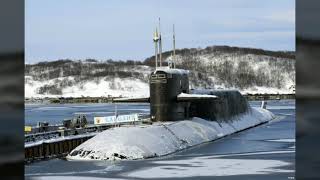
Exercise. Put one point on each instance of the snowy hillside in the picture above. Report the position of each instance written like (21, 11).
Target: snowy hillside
(218, 67)
(126, 87)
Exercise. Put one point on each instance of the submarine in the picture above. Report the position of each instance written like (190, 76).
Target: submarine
(180, 117)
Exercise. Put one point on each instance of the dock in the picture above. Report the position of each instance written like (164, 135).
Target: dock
(43, 143)
(56, 148)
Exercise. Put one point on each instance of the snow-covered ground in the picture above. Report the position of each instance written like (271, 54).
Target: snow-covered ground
(163, 138)
(129, 87)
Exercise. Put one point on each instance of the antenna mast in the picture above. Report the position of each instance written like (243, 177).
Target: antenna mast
(174, 48)
(155, 40)
(160, 45)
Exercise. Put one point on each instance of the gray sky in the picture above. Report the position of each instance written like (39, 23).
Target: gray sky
(79, 29)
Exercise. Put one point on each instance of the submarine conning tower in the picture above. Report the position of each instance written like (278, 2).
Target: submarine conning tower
(165, 85)
(166, 103)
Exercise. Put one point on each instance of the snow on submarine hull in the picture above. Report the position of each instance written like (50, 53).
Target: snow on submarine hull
(163, 138)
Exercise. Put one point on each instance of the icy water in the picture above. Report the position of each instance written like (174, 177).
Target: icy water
(263, 152)
(55, 113)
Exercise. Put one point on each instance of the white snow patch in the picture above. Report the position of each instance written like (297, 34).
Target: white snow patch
(122, 87)
(253, 153)
(283, 140)
(166, 69)
(57, 139)
(72, 178)
(116, 87)
(281, 107)
(185, 95)
(213, 166)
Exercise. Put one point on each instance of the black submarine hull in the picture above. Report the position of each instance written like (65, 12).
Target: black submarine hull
(230, 103)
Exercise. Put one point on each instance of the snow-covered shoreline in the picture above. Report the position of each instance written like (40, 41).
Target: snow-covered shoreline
(125, 87)
(163, 138)
(251, 71)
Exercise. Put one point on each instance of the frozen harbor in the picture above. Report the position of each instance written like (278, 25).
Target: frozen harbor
(264, 152)
(55, 113)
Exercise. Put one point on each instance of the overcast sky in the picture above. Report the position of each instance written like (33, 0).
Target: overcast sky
(103, 29)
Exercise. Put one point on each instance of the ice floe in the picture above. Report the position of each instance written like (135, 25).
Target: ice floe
(283, 140)
(213, 166)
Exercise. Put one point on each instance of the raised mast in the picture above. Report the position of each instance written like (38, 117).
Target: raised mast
(160, 45)
(174, 49)
(155, 40)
